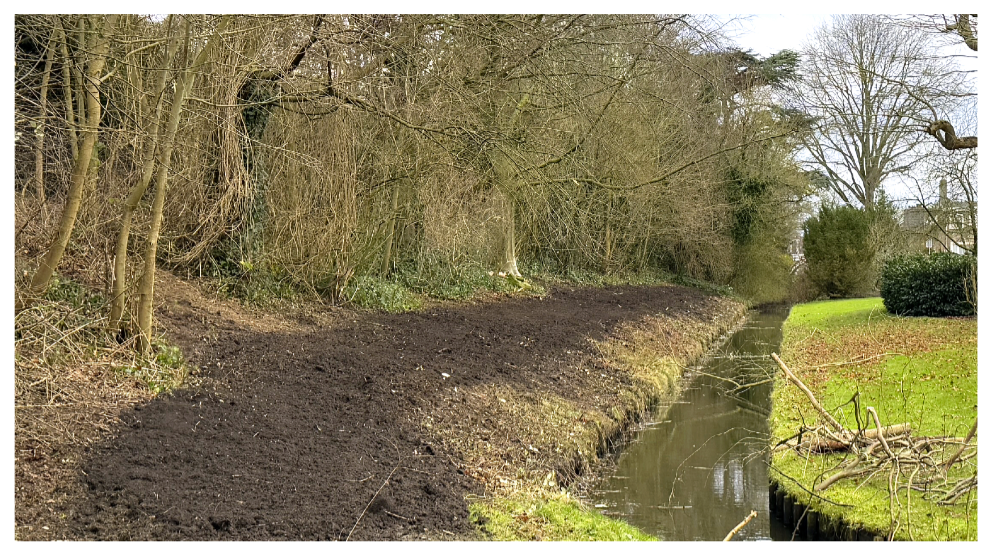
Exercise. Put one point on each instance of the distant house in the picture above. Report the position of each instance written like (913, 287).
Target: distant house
(946, 226)
(795, 250)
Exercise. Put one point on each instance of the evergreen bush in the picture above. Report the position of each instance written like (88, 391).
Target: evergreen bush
(936, 285)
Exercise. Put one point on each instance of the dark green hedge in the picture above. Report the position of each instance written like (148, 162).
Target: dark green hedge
(936, 285)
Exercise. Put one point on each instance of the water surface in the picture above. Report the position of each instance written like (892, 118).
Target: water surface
(700, 466)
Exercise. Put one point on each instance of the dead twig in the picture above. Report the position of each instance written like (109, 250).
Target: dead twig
(740, 526)
(972, 432)
(371, 500)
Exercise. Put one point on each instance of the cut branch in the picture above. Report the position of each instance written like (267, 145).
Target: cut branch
(810, 396)
(740, 526)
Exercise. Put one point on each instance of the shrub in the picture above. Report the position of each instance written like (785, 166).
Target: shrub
(839, 251)
(936, 285)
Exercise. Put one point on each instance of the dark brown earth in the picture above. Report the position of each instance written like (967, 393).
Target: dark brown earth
(312, 429)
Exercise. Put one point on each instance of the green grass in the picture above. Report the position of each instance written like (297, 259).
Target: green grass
(921, 371)
(554, 517)
(827, 315)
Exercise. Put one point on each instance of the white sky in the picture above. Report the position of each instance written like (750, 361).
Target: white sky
(766, 34)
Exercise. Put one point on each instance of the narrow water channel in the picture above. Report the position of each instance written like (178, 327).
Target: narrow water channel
(700, 466)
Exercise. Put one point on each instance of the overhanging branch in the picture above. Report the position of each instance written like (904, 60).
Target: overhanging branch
(944, 132)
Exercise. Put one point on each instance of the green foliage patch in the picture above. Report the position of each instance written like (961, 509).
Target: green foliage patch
(165, 370)
(457, 282)
(372, 292)
(836, 244)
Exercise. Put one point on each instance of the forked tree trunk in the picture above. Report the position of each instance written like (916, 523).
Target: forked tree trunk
(502, 166)
(118, 299)
(146, 288)
(80, 168)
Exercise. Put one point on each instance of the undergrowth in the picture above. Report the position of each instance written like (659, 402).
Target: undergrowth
(66, 330)
(643, 277)
(411, 284)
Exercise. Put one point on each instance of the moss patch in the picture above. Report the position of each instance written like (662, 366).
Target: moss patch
(548, 517)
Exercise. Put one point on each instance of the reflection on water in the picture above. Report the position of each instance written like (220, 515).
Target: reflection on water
(699, 469)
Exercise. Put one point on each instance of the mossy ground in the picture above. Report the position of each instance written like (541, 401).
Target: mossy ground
(921, 371)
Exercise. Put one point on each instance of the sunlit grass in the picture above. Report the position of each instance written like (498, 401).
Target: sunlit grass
(921, 371)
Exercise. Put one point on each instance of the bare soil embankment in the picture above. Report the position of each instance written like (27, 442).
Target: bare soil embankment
(338, 424)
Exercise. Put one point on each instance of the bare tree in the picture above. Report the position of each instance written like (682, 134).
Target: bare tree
(966, 26)
(866, 84)
(947, 212)
(98, 40)
(949, 31)
(183, 82)
(311, 150)
(153, 115)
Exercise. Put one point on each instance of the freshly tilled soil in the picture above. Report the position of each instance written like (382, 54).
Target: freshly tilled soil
(314, 431)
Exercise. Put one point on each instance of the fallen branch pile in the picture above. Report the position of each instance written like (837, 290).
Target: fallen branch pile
(916, 463)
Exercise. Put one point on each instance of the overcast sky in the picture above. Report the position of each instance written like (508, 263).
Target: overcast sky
(766, 34)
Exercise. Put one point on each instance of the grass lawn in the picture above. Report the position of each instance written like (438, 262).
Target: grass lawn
(921, 371)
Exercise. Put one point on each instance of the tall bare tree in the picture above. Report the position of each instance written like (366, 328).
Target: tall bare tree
(866, 85)
(182, 87)
(153, 115)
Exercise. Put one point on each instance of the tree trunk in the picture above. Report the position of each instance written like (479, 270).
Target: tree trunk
(136, 193)
(67, 86)
(147, 287)
(509, 265)
(39, 157)
(81, 167)
(390, 232)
